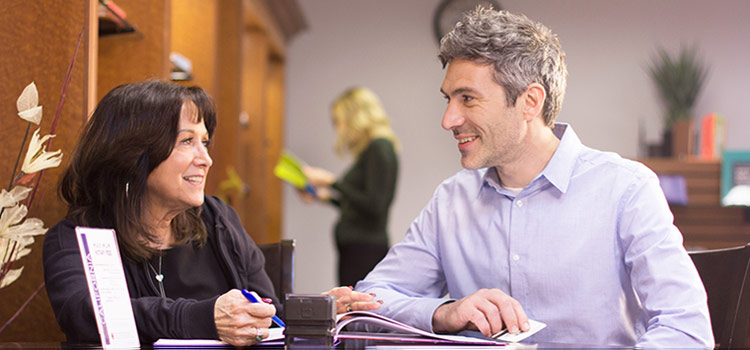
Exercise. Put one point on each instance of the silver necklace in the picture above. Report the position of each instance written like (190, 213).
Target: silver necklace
(159, 277)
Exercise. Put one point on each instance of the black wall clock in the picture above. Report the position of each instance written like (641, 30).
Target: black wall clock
(449, 12)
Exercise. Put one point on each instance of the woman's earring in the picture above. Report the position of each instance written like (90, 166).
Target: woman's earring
(127, 188)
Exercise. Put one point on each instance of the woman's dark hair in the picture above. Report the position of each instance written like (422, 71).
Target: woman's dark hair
(133, 129)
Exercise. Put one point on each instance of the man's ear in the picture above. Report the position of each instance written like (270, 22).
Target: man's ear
(532, 101)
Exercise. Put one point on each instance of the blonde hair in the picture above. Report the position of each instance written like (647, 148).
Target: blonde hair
(363, 119)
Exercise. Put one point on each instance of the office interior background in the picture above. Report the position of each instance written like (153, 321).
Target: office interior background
(389, 46)
(386, 45)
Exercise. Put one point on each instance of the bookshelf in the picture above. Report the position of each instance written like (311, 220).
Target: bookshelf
(704, 223)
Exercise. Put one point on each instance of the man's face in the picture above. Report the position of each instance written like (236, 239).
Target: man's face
(488, 131)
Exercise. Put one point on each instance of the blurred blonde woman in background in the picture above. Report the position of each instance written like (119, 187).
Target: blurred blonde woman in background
(364, 194)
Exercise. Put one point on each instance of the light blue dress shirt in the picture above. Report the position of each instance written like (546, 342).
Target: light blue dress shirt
(588, 247)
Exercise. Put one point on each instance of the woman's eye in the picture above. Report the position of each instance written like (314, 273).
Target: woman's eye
(206, 143)
(187, 141)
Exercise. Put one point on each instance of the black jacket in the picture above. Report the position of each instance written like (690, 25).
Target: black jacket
(155, 317)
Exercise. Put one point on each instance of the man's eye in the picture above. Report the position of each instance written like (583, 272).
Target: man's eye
(468, 98)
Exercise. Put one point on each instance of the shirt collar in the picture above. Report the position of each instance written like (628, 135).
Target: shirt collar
(559, 169)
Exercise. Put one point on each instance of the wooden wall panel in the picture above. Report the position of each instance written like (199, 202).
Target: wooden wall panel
(131, 57)
(226, 137)
(257, 15)
(273, 145)
(254, 53)
(194, 35)
(37, 42)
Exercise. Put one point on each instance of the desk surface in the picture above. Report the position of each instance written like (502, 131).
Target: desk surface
(346, 344)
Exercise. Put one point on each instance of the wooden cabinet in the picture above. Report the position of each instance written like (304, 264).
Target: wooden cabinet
(704, 223)
(237, 51)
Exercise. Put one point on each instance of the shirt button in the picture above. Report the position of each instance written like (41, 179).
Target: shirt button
(516, 257)
(519, 203)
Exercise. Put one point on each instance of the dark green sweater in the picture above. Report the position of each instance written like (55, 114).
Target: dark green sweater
(365, 195)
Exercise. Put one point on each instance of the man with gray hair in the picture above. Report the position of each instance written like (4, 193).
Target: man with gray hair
(538, 226)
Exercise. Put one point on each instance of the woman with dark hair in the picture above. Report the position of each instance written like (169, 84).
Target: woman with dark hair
(140, 168)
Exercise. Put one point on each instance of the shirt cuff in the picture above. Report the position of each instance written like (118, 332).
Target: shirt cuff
(429, 305)
(199, 322)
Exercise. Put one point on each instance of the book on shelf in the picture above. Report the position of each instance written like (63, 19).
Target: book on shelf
(112, 19)
(712, 136)
(389, 330)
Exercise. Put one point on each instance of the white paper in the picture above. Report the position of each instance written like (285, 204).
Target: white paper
(107, 287)
(275, 334)
(534, 326)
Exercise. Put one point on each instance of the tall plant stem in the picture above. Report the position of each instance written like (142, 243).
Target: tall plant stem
(18, 159)
(59, 111)
(26, 303)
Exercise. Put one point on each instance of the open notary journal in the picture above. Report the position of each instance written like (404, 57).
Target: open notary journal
(397, 331)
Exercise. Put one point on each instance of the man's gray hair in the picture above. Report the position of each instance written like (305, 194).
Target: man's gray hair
(520, 50)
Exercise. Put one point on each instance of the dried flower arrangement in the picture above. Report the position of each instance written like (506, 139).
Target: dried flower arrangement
(35, 162)
(16, 230)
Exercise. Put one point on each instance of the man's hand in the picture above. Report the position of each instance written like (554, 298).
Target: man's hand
(238, 321)
(349, 300)
(486, 310)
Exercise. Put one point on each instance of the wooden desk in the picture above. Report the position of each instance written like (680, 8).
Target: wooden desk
(345, 344)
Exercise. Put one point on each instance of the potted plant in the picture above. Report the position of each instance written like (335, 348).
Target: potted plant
(679, 81)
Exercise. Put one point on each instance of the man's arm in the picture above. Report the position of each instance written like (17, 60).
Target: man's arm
(412, 282)
(662, 274)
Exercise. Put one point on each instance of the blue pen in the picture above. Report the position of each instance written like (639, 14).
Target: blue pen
(253, 299)
(310, 189)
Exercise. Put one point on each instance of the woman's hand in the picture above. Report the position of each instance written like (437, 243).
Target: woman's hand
(349, 300)
(240, 322)
(306, 197)
(322, 194)
(318, 177)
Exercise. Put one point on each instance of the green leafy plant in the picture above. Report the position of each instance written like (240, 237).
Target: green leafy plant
(680, 80)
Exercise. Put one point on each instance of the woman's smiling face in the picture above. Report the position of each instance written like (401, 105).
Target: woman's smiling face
(178, 183)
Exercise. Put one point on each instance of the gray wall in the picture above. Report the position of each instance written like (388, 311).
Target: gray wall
(388, 46)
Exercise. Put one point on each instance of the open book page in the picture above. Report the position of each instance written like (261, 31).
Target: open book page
(403, 332)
